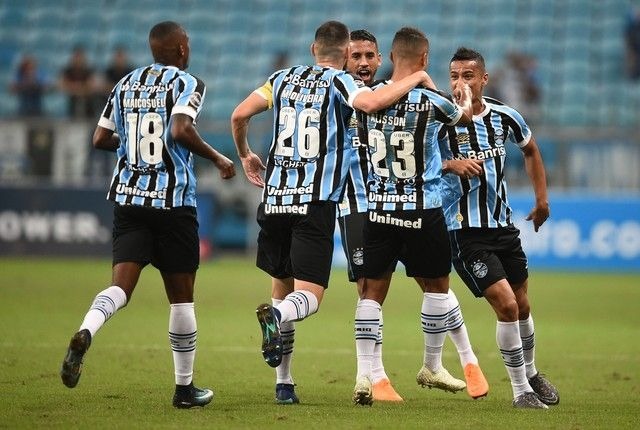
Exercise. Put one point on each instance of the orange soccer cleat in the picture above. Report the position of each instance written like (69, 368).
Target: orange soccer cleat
(383, 391)
(477, 385)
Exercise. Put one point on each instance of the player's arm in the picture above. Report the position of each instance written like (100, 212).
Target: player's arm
(535, 170)
(253, 166)
(464, 168)
(184, 133)
(105, 139)
(386, 95)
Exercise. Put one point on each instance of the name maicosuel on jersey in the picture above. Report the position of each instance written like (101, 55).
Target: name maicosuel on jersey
(152, 169)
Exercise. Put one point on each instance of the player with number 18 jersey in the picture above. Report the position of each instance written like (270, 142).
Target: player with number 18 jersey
(152, 169)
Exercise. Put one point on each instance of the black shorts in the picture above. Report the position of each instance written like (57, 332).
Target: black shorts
(166, 238)
(297, 245)
(483, 256)
(352, 237)
(421, 243)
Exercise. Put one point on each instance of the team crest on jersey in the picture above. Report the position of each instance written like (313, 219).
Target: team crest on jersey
(480, 269)
(499, 137)
(459, 217)
(358, 257)
(462, 139)
(195, 100)
(353, 122)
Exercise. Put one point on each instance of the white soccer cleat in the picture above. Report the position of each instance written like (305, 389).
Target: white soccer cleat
(441, 379)
(363, 392)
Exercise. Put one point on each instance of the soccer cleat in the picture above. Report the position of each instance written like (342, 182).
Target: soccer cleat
(286, 395)
(72, 364)
(363, 392)
(384, 392)
(188, 396)
(528, 400)
(477, 385)
(547, 393)
(442, 379)
(271, 339)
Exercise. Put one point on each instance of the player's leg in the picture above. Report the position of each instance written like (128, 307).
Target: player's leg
(477, 385)
(545, 390)
(367, 323)
(514, 261)
(503, 301)
(285, 386)
(273, 257)
(177, 256)
(351, 232)
(132, 249)
(431, 244)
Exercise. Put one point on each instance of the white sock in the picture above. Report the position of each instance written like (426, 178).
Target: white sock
(297, 306)
(434, 309)
(528, 345)
(377, 367)
(510, 344)
(367, 321)
(105, 304)
(182, 336)
(287, 332)
(457, 331)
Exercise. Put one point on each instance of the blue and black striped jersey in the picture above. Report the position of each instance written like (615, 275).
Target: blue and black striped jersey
(308, 159)
(405, 162)
(355, 196)
(152, 170)
(481, 201)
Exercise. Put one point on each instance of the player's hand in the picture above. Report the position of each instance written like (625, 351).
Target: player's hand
(253, 168)
(539, 215)
(462, 93)
(226, 167)
(464, 168)
(428, 82)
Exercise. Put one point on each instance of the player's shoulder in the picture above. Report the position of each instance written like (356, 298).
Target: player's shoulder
(499, 106)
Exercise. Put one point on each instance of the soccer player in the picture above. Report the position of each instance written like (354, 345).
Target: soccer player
(405, 220)
(149, 121)
(486, 245)
(306, 171)
(364, 61)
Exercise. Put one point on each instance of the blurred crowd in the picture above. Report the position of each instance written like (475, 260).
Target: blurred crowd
(85, 87)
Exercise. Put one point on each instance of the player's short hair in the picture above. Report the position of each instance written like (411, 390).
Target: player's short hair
(409, 42)
(331, 38)
(163, 29)
(466, 54)
(363, 35)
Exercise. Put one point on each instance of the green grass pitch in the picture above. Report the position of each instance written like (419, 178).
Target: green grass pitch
(587, 334)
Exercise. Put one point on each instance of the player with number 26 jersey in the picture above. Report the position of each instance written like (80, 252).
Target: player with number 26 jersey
(152, 169)
(308, 158)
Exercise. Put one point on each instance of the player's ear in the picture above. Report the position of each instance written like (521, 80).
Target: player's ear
(391, 56)
(312, 48)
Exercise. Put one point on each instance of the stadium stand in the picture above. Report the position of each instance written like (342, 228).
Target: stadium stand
(578, 44)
